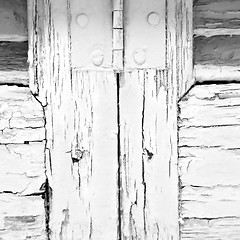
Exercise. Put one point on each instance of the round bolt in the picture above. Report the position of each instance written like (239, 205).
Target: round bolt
(153, 18)
(97, 58)
(139, 57)
(82, 20)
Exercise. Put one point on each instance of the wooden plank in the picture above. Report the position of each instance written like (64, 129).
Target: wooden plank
(212, 202)
(210, 105)
(214, 17)
(13, 20)
(13, 56)
(81, 127)
(22, 118)
(209, 162)
(22, 168)
(212, 229)
(147, 158)
(217, 50)
(184, 21)
(22, 217)
(209, 167)
(95, 154)
(207, 73)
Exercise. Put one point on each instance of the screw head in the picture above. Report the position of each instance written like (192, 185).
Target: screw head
(82, 20)
(139, 57)
(153, 18)
(97, 57)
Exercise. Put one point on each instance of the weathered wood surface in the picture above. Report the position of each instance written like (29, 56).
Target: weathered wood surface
(149, 202)
(22, 166)
(81, 127)
(21, 116)
(209, 162)
(22, 217)
(216, 17)
(216, 42)
(13, 20)
(217, 50)
(13, 63)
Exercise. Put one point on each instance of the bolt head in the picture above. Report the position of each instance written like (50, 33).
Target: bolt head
(82, 20)
(139, 57)
(153, 18)
(97, 57)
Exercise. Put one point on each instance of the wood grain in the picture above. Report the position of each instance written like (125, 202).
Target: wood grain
(216, 17)
(22, 217)
(217, 50)
(209, 162)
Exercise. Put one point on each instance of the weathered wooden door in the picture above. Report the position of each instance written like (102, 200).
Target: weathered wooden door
(108, 75)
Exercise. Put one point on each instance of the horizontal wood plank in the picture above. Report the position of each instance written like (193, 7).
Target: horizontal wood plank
(217, 50)
(22, 118)
(22, 168)
(22, 217)
(211, 229)
(216, 17)
(13, 56)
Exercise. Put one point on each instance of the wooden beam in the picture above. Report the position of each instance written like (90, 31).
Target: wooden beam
(81, 117)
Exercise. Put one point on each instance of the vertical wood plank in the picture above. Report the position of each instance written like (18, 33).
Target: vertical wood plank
(81, 127)
(148, 157)
(95, 147)
(184, 26)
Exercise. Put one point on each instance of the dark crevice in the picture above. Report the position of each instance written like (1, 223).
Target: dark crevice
(13, 84)
(47, 196)
(119, 182)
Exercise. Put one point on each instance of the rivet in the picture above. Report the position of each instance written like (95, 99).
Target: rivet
(153, 18)
(97, 58)
(82, 20)
(139, 56)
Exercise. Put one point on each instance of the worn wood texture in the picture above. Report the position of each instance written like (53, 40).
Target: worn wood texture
(13, 20)
(149, 202)
(22, 166)
(217, 50)
(105, 145)
(22, 217)
(216, 41)
(209, 162)
(216, 17)
(81, 127)
(148, 136)
(13, 63)
(184, 44)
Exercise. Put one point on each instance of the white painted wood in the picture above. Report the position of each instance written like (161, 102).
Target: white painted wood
(22, 168)
(184, 44)
(22, 217)
(145, 42)
(209, 162)
(212, 229)
(216, 17)
(204, 73)
(13, 20)
(81, 128)
(95, 170)
(148, 157)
